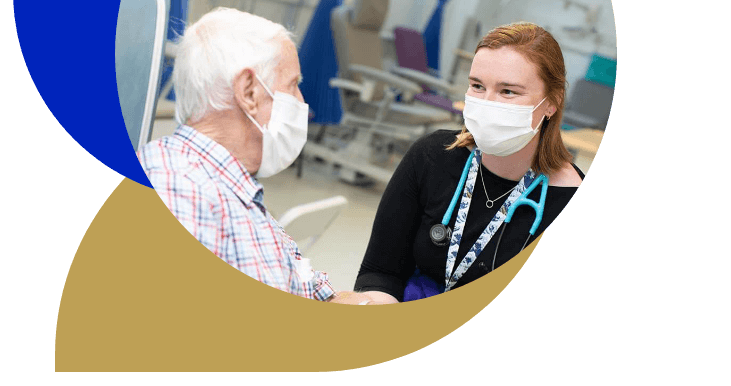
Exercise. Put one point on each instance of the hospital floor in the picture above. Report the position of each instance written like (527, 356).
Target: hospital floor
(340, 249)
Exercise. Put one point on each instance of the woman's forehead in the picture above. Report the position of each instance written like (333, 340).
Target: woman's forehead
(504, 65)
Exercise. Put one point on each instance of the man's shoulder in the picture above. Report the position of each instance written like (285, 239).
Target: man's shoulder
(163, 153)
(170, 165)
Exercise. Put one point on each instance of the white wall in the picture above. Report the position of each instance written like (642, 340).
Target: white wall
(555, 16)
(407, 13)
(551, 14)
(293, 14)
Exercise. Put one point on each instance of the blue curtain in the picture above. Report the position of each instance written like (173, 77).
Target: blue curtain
(176, 27)
(432, 35)
(318, 64)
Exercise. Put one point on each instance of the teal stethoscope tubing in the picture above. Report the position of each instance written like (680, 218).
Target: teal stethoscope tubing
(465, 171)
(522, 200)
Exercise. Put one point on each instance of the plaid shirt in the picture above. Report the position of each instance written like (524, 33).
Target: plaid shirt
(210, 192)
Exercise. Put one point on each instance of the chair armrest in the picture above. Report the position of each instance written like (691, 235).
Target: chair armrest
(364, 90)
(383, 76)
(346, 84)
(426, 79)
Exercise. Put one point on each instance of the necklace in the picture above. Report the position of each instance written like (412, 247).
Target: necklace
(490, 202)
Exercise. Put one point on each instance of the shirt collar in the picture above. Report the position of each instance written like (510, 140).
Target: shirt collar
(228, 169)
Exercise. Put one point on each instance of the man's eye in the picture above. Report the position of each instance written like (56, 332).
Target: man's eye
(476, 86)
(508, 92)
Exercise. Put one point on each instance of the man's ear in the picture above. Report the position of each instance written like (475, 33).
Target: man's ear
(244, 85)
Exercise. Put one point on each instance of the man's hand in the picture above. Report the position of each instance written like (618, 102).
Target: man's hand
(372, 297)
(349, 297)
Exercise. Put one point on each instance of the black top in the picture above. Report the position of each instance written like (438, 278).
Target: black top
(417, 197)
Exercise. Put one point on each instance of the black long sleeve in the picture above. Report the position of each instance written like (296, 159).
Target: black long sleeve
(417, 197)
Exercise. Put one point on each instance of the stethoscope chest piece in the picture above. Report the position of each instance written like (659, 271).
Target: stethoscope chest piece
(440, 235)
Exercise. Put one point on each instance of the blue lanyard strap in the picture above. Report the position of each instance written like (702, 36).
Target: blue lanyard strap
(490, 230)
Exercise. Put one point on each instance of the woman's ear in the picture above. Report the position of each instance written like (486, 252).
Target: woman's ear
(244, 95)
(550, 110)
(553, 107)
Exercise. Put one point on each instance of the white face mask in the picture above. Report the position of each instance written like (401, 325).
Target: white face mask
(499, 128)
(285, 134)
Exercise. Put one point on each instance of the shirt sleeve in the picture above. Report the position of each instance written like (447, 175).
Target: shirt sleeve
(389, 261)
(318, 287)
(322, 290)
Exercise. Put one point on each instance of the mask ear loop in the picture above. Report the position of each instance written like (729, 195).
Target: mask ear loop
(545, 118)
(271, 94)
(268, 92)
(539, 103)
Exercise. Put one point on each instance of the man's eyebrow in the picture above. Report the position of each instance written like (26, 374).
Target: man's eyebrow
(298, 79)
(475, 79)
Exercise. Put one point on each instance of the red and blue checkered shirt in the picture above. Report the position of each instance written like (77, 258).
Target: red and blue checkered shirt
(210, 192)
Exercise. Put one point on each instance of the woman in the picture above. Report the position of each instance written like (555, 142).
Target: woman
(512, 113)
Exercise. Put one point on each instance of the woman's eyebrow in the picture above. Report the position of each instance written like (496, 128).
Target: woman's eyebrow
(500, 84)
(506, 84)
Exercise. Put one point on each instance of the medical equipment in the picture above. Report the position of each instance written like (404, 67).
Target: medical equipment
(524, 200)
(411, 55)
(380, 122)
(441, 234)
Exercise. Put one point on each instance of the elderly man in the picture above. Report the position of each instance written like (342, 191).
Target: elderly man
(242, 116)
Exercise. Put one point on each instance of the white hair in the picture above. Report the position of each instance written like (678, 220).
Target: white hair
(213, 51)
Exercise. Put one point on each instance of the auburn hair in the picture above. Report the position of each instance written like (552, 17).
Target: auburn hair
(540, 48)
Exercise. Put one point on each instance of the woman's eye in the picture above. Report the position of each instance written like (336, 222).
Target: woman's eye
(508, 92)
(477, 87)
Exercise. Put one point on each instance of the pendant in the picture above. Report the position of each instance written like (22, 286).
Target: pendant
(488, 204)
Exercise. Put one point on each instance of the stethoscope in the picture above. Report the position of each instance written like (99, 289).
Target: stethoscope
(441, 234)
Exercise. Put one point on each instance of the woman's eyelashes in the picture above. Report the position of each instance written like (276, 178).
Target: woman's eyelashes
(506, 92)
(477, 87)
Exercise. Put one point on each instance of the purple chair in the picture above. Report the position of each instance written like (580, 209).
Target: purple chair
(412, 64)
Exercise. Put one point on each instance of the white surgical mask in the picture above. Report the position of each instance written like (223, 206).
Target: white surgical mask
(285, 134)
(499, 128)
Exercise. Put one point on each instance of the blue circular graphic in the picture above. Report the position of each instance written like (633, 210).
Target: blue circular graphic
(68, 48)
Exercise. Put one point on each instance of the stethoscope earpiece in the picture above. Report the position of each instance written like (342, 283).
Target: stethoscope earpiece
(440, 235)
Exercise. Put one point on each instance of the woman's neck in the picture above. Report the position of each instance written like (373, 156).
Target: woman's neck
(514, 166)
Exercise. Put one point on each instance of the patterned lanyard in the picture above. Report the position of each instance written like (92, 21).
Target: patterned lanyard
(489, 231)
